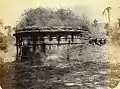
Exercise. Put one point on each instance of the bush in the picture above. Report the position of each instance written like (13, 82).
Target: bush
(3, 42)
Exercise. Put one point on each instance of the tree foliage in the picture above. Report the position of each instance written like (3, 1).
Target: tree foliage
(3, 42)
(42, 17)
(9, 29)
(3, 38)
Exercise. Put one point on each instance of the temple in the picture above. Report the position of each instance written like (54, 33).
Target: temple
(34, 39)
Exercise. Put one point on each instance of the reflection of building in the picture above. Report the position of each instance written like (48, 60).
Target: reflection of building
(31, 40)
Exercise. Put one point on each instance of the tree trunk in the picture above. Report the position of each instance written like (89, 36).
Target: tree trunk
(108, 17)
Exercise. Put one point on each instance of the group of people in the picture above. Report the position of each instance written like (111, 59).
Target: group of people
(98, 41)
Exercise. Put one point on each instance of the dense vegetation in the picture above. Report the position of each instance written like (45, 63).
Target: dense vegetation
(42, 17)
(3, 42)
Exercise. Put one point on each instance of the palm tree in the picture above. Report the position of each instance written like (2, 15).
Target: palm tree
(1, 23)
(107, 11)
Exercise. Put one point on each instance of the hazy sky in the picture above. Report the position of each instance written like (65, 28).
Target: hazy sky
(11, 10)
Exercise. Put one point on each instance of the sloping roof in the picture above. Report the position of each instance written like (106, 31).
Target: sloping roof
(47, 30)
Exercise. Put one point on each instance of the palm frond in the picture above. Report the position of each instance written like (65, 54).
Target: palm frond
(110, 8)
(107, 9)
(104, 11)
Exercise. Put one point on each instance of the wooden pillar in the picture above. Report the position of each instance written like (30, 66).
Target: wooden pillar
(68, 51)
(50, 39)
(20, 47)
(43, 45)
(72, 37)
(50, 47)
(59, 39)
(66, 37)
(17, 44)
(34, 43)
(28, 38)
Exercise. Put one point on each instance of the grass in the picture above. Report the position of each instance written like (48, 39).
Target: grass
(88, 75)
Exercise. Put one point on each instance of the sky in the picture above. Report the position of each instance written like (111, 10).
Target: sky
(11, 10)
